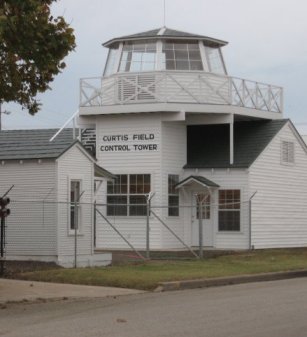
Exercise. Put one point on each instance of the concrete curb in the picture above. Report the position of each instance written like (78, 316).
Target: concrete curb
(223, 281)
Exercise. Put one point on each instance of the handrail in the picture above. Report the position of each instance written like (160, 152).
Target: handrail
(180, 87)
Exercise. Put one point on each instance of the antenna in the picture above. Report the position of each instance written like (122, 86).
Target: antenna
(164, 12)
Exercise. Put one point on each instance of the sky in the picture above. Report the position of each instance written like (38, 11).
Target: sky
(267, 43)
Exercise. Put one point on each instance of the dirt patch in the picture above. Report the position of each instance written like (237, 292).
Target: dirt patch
(13, 268)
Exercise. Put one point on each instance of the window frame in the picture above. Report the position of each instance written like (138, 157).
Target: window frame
(72, 207)
(231, 208)
(133, 184)
(173, 193)
(211, 69)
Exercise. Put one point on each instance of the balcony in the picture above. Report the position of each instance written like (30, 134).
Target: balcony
(199, 91)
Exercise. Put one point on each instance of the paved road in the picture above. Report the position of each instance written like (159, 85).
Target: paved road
(268, 309)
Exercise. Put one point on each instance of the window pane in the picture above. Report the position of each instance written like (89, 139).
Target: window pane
(193, 46)
(138, 210)
(215, 60)
(137, 57)
(149, 57)
(229, 221)
(180, 46)
(194, 55)
(182, 65)
(139, 47)
(196, 65)
(229, 210)
(173, 204)
(169, 55)
(136, 66)
(151, 47)
(181, 54)
(119, 207)
(170, 65)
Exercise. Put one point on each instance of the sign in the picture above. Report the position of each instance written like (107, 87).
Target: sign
(126, 143)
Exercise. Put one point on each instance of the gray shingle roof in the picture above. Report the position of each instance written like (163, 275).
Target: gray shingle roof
(208, 145)
(34, 144)
(167, 33)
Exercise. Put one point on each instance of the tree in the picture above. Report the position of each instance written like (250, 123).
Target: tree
(33, 45)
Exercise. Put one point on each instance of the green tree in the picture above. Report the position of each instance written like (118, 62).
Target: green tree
(33, 45)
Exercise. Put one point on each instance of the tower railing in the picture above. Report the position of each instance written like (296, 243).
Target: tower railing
(180, 87)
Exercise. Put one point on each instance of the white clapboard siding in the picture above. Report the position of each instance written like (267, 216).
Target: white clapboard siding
(129, 162)
(279, 209)
(75, 165)
(226, 179)
(31, 229)
(173, 159)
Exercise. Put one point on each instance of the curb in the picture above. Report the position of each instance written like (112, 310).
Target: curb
(223, 281)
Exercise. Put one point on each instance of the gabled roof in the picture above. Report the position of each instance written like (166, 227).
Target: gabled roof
(208, 145)
(166, 33)
(101, 172)
(34, 144)
(198, 179)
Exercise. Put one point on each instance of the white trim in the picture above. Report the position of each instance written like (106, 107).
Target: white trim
(196, 181)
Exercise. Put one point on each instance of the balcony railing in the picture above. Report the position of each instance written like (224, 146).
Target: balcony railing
(180, 87)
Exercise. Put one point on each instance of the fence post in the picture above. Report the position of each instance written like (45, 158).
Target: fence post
(200, 227)
(250, 220)
(2, 247)
(147, 227)
(75, 227)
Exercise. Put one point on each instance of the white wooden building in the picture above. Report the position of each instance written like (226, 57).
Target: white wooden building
(47, 177)
(169, 119)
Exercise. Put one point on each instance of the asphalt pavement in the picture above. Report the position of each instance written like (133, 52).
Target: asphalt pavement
(265, 309)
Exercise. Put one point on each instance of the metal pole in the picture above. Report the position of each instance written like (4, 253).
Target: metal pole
(175, 235)
(147, 228)
(119, 233)
(75, 225)
(2, 247)
(0, 116)
(200, 227)
(250, 220)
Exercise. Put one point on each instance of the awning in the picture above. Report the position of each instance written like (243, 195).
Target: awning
(103, 173)
(198, 180)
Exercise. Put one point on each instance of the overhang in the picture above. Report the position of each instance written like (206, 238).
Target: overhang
(103, 173)
(204, 182)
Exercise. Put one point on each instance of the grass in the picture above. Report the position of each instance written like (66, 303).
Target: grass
(147, 275)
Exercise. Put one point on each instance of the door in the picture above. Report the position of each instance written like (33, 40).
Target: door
(207, 223)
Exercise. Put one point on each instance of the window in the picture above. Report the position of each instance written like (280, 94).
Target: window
(127, 195)
(229, 210)
(205, 200)
(181, 56)
(138, 56)
(215, 61)
(109, 69)
(287, 152)
(173, 195)
(74, 206)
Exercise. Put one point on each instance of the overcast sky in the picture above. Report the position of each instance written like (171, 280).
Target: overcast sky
(267, 43)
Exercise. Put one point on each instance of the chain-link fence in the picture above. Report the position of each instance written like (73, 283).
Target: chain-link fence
(62, 231)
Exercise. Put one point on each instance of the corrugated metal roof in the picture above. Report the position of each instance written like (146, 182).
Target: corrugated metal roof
(166, 33)
(34, 144)
(208, 145)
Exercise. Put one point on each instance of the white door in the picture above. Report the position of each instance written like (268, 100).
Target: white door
(207, 222)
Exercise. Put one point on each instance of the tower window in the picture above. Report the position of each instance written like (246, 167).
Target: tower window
(181, 56)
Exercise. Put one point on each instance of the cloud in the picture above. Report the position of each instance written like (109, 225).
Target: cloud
(267, 42)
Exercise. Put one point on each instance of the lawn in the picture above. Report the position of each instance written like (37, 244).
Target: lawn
(147, 275)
